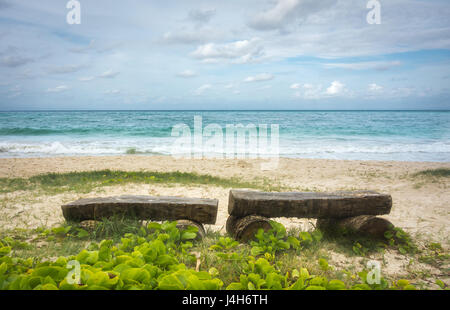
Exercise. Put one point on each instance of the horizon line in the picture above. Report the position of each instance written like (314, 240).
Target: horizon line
(233, 110)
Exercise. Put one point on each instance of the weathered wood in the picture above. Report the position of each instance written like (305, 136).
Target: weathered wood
(245, 228)
(231, 224)
(183, 224)
(363, 224)
(308, 204)
(89, 225)
(143, 207)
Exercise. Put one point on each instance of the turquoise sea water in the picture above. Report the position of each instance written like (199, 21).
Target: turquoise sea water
(363, 135)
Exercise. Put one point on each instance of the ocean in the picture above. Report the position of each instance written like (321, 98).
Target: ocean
(351, 135)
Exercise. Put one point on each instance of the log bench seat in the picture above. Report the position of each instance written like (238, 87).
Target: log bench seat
(356, 210)
(160, 208)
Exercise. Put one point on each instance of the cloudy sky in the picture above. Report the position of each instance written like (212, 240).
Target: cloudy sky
(234, 54)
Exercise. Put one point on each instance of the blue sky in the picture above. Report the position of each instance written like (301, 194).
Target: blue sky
(247, 54)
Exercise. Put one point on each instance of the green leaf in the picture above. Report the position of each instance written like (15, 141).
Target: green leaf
(305, 237)
(304, 274)
(315, 288)
(49, 287)
(3, 268)
(402, 283)
(213, 284)
(336, 285)
(438, 282)
(234, 286)
(294, 242)
(166, 260)
(54, 272)
(213, 272)
(170, 282)
(257, 250)
(323, 264)
(82, 233)
(5, 250)
(186, 235)
(154, 226)
(135, 274)
(295, 273)
(319, 281)
(298, 285)
(317, 235)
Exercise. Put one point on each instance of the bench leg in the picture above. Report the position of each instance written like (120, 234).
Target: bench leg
(183, 224)
(244, 229)
(364, 224)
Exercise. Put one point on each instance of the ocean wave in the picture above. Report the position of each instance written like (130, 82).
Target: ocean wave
(99, 131)
(166, 146)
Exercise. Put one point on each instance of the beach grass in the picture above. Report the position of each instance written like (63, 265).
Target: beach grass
(86, 181)
(441, 172)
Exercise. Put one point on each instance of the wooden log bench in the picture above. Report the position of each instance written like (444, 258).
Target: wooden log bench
(186, 211)
(353, 210)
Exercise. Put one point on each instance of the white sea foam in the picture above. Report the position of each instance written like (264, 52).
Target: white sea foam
(333, 149)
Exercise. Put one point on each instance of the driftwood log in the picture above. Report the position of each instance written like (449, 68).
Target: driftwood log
(243, 229)
(143, 207)
(363, 224)
(308, 204)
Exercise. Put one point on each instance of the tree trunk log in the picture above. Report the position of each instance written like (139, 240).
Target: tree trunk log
(308, 204)
(245, 228)
(231, 224)
(143, 207)
(183, 224)
(364, 224)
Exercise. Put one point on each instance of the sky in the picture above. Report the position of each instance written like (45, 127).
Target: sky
(234, 54)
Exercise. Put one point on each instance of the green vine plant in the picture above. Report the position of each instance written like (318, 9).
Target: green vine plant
(159, 256)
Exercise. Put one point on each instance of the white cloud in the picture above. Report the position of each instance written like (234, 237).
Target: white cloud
(243, 51)
(187, 74)
(259, 78)
(286, 12)
(374, 87)
(275, 17)
(112, 92)
(191, 36)
(64, 69)
(376, 65)
(307, 91)
(202, 89)
(109, 74)
(86, 78)
(335, 88)
(58, 89)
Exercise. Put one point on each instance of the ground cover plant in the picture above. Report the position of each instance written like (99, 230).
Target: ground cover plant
(160, 256)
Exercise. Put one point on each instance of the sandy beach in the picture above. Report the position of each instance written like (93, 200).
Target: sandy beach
(420, 204)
